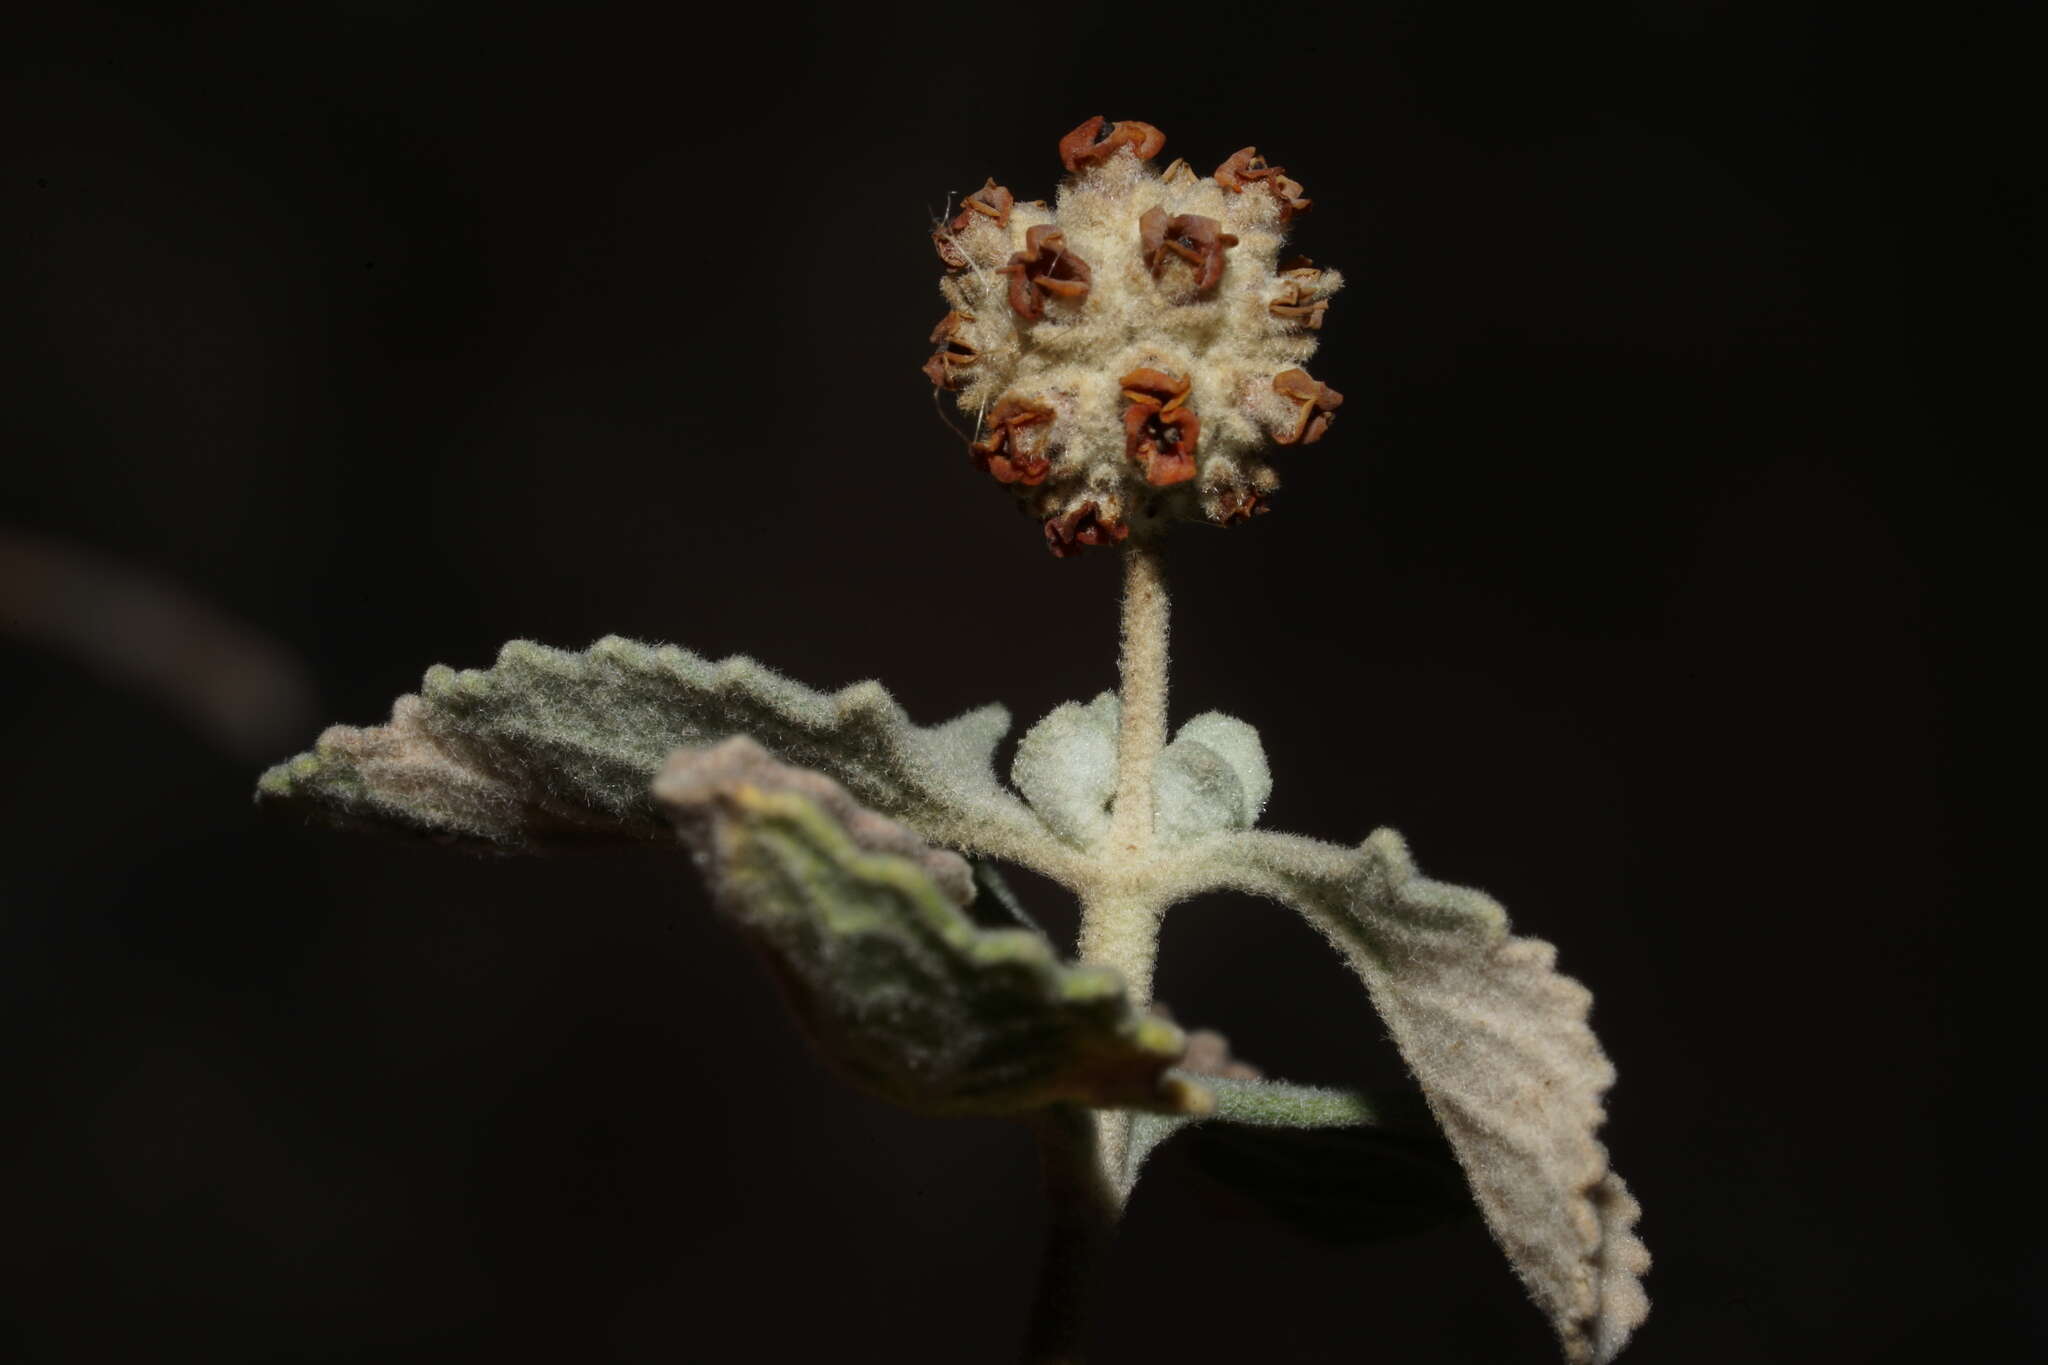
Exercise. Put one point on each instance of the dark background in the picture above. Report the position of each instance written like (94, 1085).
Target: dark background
(1635, 585)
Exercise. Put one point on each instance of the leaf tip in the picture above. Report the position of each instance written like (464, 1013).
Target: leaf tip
(995, 947)
(1159, 1035)
(1189, 1098)
(1092, 983)
(277, 781)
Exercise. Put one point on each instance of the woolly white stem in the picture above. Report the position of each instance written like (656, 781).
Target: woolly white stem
(1141, 733)
(1121, 929)
(1120, 912)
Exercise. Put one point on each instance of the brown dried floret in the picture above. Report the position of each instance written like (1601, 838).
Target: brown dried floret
(1045, 266)
(990, 201)
(1012, 452)
(1156, 387)
(1318, 403)
(1246, 167)
(1160, 431)
(1083, 147)
(954, 353)
(1297, 301)
(1080, 526)
(1233, 503)
(1308, 313)
(1197, 240)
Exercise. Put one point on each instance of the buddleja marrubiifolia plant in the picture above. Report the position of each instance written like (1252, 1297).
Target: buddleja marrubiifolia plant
(1127, 358)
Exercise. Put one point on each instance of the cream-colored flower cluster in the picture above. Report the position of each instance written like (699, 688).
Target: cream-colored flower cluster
(1129, 355)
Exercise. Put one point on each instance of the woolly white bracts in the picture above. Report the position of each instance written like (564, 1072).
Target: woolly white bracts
(1129, 355)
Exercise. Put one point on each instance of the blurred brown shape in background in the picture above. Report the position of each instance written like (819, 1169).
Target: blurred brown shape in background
(246, 693)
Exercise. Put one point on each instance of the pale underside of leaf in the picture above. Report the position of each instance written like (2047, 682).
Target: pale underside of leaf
(865, 926)
(1500, 1043)
(549, 748)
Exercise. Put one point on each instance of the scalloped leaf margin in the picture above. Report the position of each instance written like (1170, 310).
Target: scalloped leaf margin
(865, 927)
(550, 748)
(1501, 1045)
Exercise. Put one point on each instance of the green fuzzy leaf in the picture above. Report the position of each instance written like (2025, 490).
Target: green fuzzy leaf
(552, 749)
(866, 927)
(1500, 1043)
(1259, 1103)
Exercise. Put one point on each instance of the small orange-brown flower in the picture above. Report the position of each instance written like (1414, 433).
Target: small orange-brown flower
(1318, 405)
(1013, 451)
(1080, 526)
(1246, 168)
(954, 353)
(1043, 267)
(1083, 147)
(1161, 432)
(990, 201)
(1230, 505)
(1197, 240)
(1297, 301)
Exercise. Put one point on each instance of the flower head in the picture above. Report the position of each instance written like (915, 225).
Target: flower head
(1129, 354)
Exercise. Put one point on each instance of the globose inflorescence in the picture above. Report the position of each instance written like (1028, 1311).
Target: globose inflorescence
(1129, 355)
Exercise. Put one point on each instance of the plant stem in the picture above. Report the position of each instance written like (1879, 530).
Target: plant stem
(1119, 912)
(1082, 1209)
(1141, 731)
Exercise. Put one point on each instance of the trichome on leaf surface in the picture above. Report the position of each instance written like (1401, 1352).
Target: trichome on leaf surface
(1128, 357)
